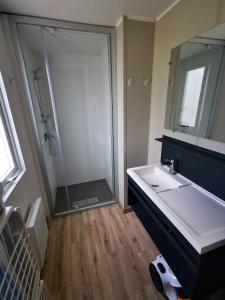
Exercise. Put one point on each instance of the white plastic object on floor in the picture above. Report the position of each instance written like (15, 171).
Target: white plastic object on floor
(168, 279)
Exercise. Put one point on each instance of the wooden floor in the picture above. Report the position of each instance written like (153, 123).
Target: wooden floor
(99, 254)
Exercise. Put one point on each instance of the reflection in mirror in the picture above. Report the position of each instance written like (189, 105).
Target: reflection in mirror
(196, 87)
(191, 96)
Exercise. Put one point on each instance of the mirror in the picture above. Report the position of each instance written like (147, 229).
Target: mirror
(196, 86)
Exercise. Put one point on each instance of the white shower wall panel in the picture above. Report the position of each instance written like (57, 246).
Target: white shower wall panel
(83, 104)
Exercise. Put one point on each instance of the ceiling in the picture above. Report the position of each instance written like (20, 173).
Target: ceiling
(101, 12)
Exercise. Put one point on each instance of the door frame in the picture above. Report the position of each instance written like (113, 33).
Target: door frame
(10, 22)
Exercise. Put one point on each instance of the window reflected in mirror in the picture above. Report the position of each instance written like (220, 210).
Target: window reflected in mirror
(196, 87)
(191, 97)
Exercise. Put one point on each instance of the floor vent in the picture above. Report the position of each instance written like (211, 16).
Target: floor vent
(85, 202)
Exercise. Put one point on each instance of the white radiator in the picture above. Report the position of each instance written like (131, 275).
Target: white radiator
(37, 228)
(19, 268)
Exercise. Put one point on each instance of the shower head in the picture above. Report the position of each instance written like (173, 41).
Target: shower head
(36, 73)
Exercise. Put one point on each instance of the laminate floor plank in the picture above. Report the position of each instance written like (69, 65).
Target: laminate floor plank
(99, 254)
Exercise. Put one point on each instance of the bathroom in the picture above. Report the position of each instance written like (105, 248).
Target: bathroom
(110, 111)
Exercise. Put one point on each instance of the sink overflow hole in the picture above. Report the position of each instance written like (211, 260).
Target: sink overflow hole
(155, 185)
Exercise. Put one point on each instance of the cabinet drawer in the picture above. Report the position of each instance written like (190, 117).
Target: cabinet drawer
(165, 239)
(191, 253)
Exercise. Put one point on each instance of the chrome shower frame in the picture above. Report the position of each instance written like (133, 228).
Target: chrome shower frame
(10, 23)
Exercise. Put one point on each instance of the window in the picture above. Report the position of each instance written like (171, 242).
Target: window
(11, 162)
(192, 93)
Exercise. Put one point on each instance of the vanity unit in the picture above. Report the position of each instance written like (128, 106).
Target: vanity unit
(185, 213)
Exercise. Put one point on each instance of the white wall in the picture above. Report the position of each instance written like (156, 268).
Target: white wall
(187, 19)
(30, 187)
(83, 104)
(139, 57)
(134, 61)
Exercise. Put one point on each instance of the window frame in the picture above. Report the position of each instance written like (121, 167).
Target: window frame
(19, 167)
(185, 67)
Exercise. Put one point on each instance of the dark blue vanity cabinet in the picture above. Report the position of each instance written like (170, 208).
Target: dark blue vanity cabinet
(199, 275)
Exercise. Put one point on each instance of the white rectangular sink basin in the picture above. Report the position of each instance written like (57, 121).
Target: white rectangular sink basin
(197, 214)
(158, 178)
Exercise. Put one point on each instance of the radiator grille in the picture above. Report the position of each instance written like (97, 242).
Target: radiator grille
(19, 269)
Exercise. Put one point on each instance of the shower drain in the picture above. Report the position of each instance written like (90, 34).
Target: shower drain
(84, 202)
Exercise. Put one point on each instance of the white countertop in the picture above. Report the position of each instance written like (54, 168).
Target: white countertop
(196, 213)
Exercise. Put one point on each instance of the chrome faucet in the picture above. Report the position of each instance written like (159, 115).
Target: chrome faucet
(170, 163)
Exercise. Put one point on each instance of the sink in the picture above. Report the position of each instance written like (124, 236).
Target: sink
(158, 178)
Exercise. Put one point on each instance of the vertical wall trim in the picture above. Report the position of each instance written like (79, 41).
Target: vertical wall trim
(167, 10)
(125, 107)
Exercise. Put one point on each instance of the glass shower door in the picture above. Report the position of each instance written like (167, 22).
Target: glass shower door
(41, 95)
(79, 65)
(68, 75)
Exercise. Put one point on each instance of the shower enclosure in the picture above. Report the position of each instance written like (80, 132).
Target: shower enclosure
(67, 73)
